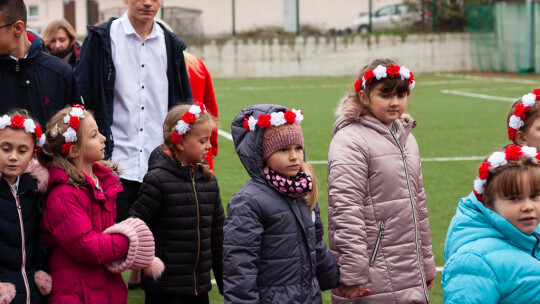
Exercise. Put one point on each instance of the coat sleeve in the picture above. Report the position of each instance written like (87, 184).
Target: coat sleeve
(211, 107)
(218, 217)
(327, 269)
(467, 278)
(347, 187)
(241, 249)
(149, 198)
(85, 72)
(70, 227)
(425, 233)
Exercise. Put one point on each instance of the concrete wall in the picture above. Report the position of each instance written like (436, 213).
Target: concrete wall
(330, 56)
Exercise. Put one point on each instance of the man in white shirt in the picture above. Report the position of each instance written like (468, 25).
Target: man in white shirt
(130, 72)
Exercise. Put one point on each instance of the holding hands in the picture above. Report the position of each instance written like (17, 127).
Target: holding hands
(352, 292)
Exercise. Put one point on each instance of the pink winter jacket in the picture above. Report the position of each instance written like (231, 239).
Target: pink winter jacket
(378, 224)
(71, 227)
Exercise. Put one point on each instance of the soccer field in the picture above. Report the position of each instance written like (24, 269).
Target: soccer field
(461, 118)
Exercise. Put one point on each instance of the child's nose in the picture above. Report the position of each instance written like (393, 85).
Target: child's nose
(528, 205)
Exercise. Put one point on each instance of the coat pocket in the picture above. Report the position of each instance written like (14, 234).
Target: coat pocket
(380, 236)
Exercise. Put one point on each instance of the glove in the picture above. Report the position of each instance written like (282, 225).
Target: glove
(7, 293)
(141, 251)
(43, 281)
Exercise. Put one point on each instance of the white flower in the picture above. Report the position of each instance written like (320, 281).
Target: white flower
(299, 115)
(515, 122)
(404, 72)
(363, 83)
(528, 100)
(479, 185)
(497, 159)
(277, 119)
(29, 126)
(195, 110)
(380, 72)
(66, 118)
(182, 127)
(529, 151)
(4, 121)
(41, 141)
(252, 122)
(411, 85)
(70, 135)
(76, 112)
(54, 131)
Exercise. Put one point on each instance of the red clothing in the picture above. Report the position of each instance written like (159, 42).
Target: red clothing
(71, 227)
(203, 92)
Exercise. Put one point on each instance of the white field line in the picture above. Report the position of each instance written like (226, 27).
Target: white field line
(475, 95)
(225, 134)
(493, 79)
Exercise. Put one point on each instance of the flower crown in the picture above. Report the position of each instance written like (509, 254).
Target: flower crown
(275, 119)
(19, 122)
(182, 126)
(382, 72)
(520, 112)
(73, 119)
(498, 159)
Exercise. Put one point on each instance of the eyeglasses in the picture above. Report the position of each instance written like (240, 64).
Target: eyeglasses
(7, 24)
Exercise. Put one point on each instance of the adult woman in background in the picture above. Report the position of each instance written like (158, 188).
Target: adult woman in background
(61, 40)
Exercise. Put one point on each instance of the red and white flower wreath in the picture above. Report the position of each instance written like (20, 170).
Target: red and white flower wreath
(498, 159)
(381, 72)
(182, 126)
(19, 122)
(73, 119)
(520, 112)
(275, 119)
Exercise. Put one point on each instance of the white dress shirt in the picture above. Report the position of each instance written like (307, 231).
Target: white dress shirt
(141, 96)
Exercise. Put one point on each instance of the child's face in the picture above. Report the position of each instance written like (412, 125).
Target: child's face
(93, 143)
(521, 210)
(531, 138)
(196, 144)
(386, 107)
(287, 161)
(142, 11)
(16, 151)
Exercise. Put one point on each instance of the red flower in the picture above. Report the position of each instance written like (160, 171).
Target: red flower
(246, 124)
(175, 138)
(38, 149)
(537, 93)
(512, 133)
(264, 121)
(203, 108)
(483, 171)
(368, 75)
(188, 117)
(478, 196)
(392, 71)
(521, 110)
(79, 106)
(66, 148)
(537, 156)
(411, 78)
(290, 116)
(513, 152)
(358, 85)
(17, 122)
(38, 131)
(74, 122)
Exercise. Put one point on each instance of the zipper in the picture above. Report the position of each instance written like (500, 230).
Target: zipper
(404, 158)
(379, 238)
(23, 245)
(198, 232)
(535, 246)
(16, 65)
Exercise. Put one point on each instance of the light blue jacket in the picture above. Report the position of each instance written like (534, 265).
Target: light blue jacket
(488, 260)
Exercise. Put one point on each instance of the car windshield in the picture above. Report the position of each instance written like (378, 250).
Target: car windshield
(385, 11)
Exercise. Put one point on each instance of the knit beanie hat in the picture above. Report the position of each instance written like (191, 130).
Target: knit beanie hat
(276, 138)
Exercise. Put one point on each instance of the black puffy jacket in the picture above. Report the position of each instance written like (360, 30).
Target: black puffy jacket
(185, 214)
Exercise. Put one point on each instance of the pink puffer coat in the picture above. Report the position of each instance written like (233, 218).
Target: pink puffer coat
(378, 224)
(71, 227)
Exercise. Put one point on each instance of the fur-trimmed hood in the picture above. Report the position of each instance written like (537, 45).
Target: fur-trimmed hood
(39, 173)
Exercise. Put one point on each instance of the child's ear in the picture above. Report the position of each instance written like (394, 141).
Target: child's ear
(364, 98)
(180, 146)
(520, 139)
(74, 151)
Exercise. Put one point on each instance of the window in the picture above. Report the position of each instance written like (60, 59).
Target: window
(33, 12)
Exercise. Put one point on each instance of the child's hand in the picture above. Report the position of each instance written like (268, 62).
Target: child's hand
(352, 292)
(430, 284)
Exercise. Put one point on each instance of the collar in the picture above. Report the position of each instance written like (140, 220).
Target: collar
(130, 30)
(15, 185)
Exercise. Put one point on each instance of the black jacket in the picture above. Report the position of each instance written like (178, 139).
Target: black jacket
(40, 83)
(185, 214)
(11, 236)
(95, 73)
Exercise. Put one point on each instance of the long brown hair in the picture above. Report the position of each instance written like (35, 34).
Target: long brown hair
(169, 126)
(48, 32)
(311, 197)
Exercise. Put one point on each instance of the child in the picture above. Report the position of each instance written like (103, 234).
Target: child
(378, 224)
(180, 201)
(23, 258)
(523, 120)
(273, 251)
(87, 253)
(491, 248)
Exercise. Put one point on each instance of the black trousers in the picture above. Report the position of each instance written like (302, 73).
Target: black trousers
(159, 299)
(126, 198)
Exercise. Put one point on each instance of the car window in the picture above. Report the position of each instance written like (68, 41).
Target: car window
(402, 9)
(386, 11)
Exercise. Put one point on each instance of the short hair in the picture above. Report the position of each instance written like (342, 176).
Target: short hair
(12, 11)
(51, 28)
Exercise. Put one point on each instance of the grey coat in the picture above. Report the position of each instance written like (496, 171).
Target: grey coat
(273, 250)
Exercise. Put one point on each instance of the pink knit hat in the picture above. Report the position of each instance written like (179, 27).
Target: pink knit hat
(276, 138)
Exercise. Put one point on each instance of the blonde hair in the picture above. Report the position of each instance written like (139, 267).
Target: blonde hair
(50, 30)
(311, 197)
(169, 126)
(193, 64)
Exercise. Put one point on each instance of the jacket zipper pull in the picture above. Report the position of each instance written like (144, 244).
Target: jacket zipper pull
(17, 66)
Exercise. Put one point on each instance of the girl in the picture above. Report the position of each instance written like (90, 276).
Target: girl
(23, 259)
(523, 120)
(377, 218)
(179, 199)
(491, 248)
(87, 253)
(273, 251)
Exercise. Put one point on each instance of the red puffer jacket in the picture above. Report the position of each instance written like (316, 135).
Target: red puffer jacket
(71, 227)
